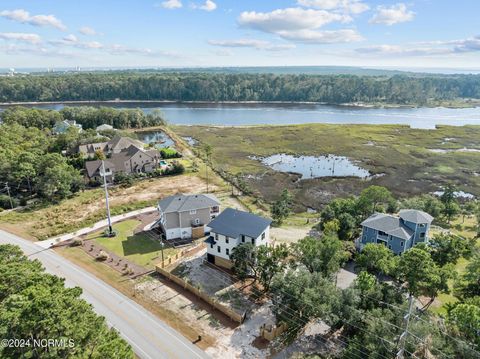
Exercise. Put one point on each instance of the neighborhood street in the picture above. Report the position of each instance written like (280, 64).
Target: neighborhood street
(148, 335)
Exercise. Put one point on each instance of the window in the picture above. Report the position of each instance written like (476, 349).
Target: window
(216, 236)
(227, 252)
(243, 238)
(421, 225)
(193, 211)
(253, 240)
(401, 244)
(263, 235)
(211, 245)
(389, 246)
(197, 221)
(226, 241)
(219, 250)
(422, 235)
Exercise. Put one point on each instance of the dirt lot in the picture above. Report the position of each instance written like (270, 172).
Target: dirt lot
(231, 341)
(88, 207)
(214, 282)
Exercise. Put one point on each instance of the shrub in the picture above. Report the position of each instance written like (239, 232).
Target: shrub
(102, 256)
(5, 202)
(124, 179)
(169, 152)
(176, 168)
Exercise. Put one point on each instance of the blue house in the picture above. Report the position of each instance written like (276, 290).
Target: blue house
(398, 233)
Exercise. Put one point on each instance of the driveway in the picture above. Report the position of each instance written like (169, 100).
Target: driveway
(149, 336)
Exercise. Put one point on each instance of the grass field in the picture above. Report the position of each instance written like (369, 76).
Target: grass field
(88, 207)
(402, 155)
(138, 248)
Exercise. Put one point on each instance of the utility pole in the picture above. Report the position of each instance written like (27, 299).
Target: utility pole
(110, 230)
(9, 196)
(403, 336)
(206, 170)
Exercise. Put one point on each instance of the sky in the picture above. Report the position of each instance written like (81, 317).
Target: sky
(203, 33)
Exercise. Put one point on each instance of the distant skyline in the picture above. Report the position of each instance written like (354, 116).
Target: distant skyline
(419, 34)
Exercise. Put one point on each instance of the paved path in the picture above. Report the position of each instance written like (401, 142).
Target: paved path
(103, 223)
(149, 337)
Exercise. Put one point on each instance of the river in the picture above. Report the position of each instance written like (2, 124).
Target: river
(228, 114)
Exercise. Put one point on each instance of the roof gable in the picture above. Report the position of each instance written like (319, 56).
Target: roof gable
(415, 216)
(233, 223)
(389, 224)
(182, 203)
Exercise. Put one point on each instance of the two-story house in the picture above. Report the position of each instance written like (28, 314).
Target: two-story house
(187, 216)
(231, 229)
(129, 161)
(398, 233)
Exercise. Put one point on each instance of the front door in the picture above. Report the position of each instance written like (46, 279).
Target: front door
(210, 258)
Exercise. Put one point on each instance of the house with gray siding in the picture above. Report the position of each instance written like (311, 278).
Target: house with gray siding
(187, 216)
(398, 233)
(231, 229)
(131, 160)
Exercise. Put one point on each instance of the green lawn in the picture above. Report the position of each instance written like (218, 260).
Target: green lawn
(138, 248)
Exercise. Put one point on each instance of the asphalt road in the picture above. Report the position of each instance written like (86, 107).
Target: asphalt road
(148, 335)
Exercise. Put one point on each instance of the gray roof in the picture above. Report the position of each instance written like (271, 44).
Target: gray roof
(94, 166)
(233, 223)
(182, 203)
(415, 216)
(388, 224)
(121, 143)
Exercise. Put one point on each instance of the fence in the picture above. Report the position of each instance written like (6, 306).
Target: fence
(170, 261)
(270, 332)
(237, 317)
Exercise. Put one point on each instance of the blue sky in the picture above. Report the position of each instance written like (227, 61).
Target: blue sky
(149, 33)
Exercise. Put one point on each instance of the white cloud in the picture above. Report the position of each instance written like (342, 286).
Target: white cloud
(427, 48)
(289, 19)
(348, 6)
(300, 25)
(322, 37)
(171, 4)
(72, 40)
(396, 50)
(24, 17)
(208, 5)
(88, 31)
(117, 49)
(20, 36)
(252, 43)
(391, 15)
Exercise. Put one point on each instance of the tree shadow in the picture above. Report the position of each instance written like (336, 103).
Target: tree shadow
(140, 244)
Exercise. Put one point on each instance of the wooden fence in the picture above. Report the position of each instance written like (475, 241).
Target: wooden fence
(171, 260)
(237, 317)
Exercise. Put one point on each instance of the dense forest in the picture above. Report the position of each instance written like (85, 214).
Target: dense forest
(332, 89)
(88, 117)
(36, 306)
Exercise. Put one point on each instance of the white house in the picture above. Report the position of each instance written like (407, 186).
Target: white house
(104, 127)
(231, 229)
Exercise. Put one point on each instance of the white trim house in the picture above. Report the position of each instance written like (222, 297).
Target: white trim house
(231, 229)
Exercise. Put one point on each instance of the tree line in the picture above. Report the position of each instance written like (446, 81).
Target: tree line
(332, 89)
(88, 117)
(36, 305)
